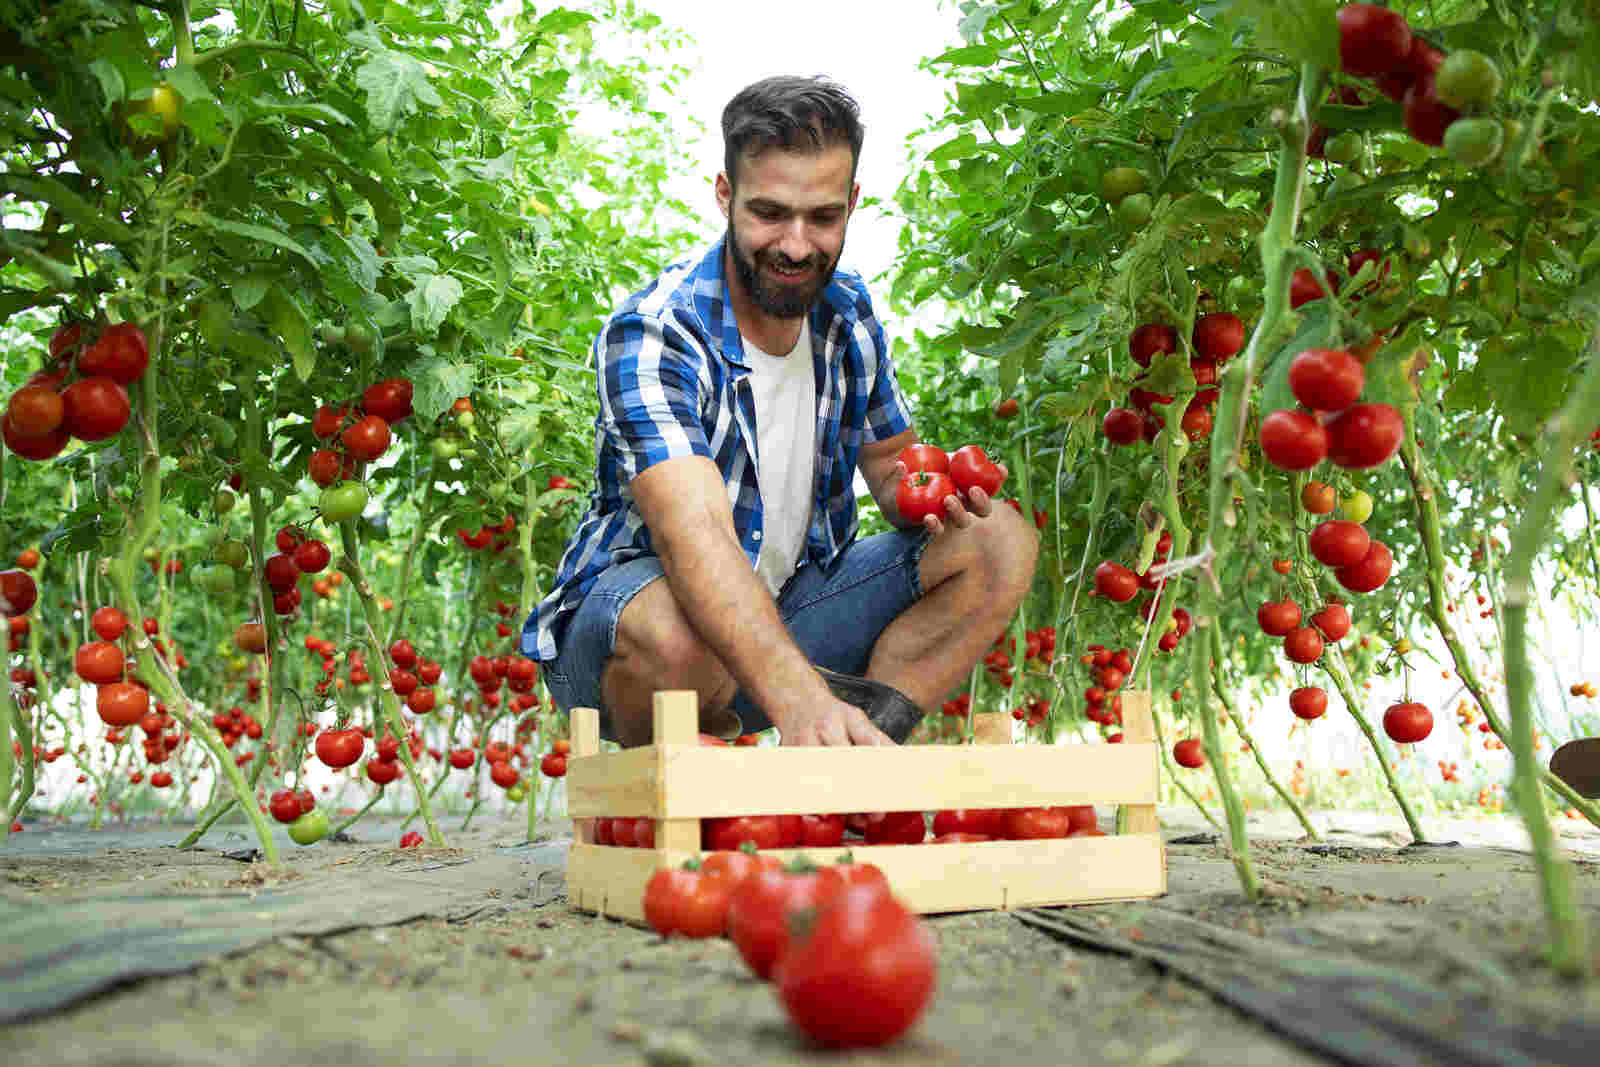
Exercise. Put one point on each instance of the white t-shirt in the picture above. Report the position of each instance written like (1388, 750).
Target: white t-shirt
(785, 393)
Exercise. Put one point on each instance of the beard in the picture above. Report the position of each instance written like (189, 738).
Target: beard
(774, 298)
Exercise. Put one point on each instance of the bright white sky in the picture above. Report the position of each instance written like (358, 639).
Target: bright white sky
(872, 47)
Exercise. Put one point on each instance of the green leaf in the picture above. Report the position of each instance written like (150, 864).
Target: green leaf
(363, 263)
(248, 292)
(396, 86)
(431, 300)
(289, 321)
(61, 196)
(436, 383)
(247, 230)
(1304, 30)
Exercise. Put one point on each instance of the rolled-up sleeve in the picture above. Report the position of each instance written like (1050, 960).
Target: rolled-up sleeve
(649, 384)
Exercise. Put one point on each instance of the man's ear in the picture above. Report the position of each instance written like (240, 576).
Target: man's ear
(725, 193)
(855, 194)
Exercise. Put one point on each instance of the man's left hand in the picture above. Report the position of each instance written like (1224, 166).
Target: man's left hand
(961, 510)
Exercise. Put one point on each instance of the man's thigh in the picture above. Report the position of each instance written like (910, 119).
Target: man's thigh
(573, 677)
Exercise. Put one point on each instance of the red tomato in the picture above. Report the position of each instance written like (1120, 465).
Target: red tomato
(1196, 421)
(1372, 40)
(1370, 572)
(686, 902)
(120, 353)
(922, 494)
(621, 832)
(924, 457)
(729, 832)
(1308, 702)
(410, 839)
(738, 864)
(328, 420)
(862, 974)
(312, 556)
(284, 806)
(382, 772)
(971, 468)
(98, 662)
(17, 592)
(324, 467)
(1426, 116)
(1361, 258)
(896, 828)
(34, 448)
(644, 832)
(1115, 582)
(421, 701)
(93, 409)
(367, 438)
(1304, 286)
(761, 906)
(1278, 617)
(1364, 435)
(1303, 645)
(390, 400)
(1408, 722)
(1338, 542)
(460, 758)
(339, 748)
(121, 703)
(1122, 426)
(280, 572)
(403, 654)
(602, 831)
(1326, 379)
(1333, 621)
(553, 766)
(1189, 752)
(968, 821)
(1027, 824)
(1293, 440)
(1218, 336)
(35, 411)
(1149, 339)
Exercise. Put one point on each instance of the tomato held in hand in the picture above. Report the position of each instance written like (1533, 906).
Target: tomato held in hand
(922, 494)
(971, 468)
(863, 972)
(924, 457)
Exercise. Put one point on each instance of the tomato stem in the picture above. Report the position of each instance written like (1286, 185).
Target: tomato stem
(1250, 742)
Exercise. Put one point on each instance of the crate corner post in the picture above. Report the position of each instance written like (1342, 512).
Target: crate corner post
(675, 721)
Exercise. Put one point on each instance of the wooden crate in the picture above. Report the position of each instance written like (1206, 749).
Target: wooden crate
(678, 781)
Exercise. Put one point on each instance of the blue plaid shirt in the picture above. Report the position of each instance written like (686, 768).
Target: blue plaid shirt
(670, 372)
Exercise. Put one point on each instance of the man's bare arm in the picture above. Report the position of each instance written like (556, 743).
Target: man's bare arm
(684, 502)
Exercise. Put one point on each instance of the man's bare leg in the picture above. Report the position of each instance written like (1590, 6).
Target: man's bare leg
(657, 649)
(973, 580)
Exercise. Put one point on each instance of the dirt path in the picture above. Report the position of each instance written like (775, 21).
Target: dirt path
(511, 974)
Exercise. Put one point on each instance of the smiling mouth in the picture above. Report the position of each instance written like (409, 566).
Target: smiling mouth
(789, 274)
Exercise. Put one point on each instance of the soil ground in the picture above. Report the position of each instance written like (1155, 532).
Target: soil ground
(521, 977)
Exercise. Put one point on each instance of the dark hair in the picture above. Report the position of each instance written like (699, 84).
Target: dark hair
(791, 112)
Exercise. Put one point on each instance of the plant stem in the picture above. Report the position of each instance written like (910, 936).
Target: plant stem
(1250, 742)
(352, 820)
(1176, 779)
(372, 620)
(1334, 664)
(1567, 949)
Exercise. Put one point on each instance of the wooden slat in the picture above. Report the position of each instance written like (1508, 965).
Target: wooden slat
(927, 878)
(1138, 727)
(585, 742)
(676, 725)
(697, 781)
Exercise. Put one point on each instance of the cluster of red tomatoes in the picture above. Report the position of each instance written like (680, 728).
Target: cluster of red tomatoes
(932, 475)
(518, 673)
(18, 593)
(297, 554)
(858, 973)
(1217, 338)
(80, 392)
(1304, 644)
(413, 677)
(1441, 95)
(1328, 382)
(1119, 584)
(1109, 671)
(119, 700)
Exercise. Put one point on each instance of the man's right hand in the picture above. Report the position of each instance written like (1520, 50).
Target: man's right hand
(828, 721)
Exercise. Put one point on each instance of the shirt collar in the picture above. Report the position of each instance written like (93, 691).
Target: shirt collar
(713, 303)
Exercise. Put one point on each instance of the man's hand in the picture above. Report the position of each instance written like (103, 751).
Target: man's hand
(961, 514)
(829, 721)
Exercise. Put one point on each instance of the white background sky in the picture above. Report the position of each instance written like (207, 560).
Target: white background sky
(872, 47)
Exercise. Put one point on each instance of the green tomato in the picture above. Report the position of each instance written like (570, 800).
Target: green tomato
(1357, 507)
(1135, 210)
(1343, 147)
(1474, 142)
(516, 793)
(235, 554)
(359, 338)
(1346, 181)
(309, 828)
(224, 500)
(445, 448)
(466, 420)
(1120, 182)
(1467, 80)
(217, 579)
(346, 500)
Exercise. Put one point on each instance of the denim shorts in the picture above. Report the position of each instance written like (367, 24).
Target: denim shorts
(835, 616)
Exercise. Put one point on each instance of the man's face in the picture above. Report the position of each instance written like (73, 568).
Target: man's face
(786, 225)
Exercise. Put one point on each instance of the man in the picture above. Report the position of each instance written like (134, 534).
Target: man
(739, 395)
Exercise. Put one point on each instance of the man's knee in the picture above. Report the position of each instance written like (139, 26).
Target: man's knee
(1009, 551)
